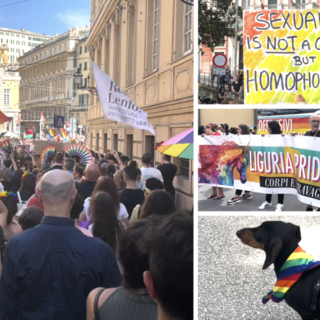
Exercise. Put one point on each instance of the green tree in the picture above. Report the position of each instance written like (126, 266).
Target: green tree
(217, 22)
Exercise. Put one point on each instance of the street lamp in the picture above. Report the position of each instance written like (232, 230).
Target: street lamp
(78, 81)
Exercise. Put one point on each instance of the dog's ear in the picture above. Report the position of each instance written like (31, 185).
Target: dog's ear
(272, 249)
(296, 231)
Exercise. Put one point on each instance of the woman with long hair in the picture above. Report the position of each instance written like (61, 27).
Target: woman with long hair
(151, 185)
(131, 301)
(106, 225)
(159, 202)
(273, 128)
(28, 186)
(16, 180)
(222, 94)
(211, 129)
(8, 210)
(224, 129)
(107, 185)
(243, 129)
(5, 180)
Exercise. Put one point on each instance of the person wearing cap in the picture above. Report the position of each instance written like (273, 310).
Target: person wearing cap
(211, 129)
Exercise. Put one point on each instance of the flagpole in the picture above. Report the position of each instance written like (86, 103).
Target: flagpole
(236, 43)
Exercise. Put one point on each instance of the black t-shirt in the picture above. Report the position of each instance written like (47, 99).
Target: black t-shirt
(85, 188)
(168, 172)
(236, 86)
(130, 198)
(25, 196)
(7, 185)
(312, 134)
(56, 167)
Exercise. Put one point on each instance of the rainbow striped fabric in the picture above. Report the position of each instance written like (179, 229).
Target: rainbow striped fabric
(64, 134)
(51, 132)
(297, 263)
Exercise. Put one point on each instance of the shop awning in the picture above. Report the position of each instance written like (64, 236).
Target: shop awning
(3, 118)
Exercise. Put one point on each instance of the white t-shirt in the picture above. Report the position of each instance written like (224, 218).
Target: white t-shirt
(147, 173)
(123, 213)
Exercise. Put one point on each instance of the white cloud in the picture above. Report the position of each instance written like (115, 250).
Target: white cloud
(78, 18)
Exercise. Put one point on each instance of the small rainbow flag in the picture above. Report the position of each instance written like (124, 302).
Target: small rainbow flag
(64, 134)
(51, 132)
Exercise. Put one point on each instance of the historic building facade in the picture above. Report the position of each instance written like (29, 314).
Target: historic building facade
(147, 48)
(47, 82)
(20, 41)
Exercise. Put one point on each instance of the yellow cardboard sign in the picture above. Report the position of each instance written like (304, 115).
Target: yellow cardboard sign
(282, 56)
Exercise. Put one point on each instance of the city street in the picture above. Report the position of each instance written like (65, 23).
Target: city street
(231, 280)
(291, 203)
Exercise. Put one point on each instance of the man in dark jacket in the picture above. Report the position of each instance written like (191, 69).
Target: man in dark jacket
(49, 270)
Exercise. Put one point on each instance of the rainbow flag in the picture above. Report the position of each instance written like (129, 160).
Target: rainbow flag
(51, 132)
(64, 134)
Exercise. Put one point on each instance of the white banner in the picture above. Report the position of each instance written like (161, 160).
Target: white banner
(116, 105)
(269, 164)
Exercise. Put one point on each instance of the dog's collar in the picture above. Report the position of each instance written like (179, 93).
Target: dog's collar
(291, 271)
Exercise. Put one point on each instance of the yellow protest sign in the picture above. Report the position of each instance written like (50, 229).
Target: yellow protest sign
(282, 56)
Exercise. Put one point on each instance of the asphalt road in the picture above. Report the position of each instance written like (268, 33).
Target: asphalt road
(231, 280)
(291, 203)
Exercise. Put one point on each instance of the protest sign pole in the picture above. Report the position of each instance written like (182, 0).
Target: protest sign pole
(236, 43)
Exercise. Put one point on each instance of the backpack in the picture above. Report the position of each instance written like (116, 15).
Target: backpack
(22, 204)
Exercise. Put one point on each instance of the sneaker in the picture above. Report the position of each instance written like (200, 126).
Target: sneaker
(265, 205)
(234, 200)
(279, 207)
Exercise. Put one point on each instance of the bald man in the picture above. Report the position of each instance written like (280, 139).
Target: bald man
(49, 270)
(89, 180)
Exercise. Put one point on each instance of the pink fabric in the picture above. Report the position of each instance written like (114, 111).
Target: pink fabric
(84, 231)
(35, 203)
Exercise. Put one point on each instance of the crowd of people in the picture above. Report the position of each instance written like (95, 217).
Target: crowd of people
(98, 241)
(212, 129)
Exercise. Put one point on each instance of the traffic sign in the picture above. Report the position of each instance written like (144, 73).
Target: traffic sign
(219, 71)
(219, 60)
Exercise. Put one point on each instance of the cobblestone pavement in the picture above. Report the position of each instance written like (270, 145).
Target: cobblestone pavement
(231, 280)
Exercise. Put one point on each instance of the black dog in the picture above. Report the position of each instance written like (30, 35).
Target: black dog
(278, 240)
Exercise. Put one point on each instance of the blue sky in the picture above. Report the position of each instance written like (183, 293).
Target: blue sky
(45, 16)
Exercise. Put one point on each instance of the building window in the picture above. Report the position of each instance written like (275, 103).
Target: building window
(80, 52)
(85, 50)
(187, 27)
(85, 82)
(17, 35)
(6, 97)
(12, 50)
(184, 167)
(85, 66)
(155, 35)
(12, 41)
(80, 66)
(18, 50)
(23, 43)
(1, 40)
(18, 42)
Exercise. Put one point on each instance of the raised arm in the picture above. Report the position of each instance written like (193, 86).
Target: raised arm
(15, 167)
